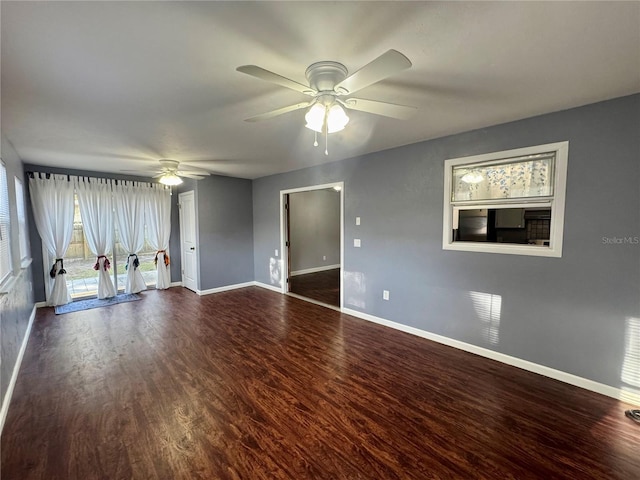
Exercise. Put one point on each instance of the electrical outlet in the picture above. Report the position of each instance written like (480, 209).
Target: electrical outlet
(357, 220)
(385, 294)
(356, 242)
(324, 257)
(276, 252)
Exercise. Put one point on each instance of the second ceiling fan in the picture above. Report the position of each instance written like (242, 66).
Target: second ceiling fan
(328, 82)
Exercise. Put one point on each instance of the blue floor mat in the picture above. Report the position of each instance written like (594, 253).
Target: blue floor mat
(95, 303)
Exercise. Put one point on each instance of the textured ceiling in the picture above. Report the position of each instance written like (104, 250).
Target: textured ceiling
(112, 86)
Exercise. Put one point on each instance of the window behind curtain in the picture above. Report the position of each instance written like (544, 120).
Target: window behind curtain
(79, 262)
(5, 227)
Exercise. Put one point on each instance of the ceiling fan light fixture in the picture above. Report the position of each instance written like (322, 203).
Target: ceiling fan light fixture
(333, 118)
(337, 119)
(315, 117)
(170, 179)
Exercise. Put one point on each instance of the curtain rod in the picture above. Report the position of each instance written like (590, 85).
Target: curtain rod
(32, 174)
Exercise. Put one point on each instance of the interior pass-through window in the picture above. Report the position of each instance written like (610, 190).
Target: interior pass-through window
(507, 202)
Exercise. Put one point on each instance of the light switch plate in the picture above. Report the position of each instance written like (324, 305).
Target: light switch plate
(357, 220)
(356, 242)
(385, 294)
(276, 252)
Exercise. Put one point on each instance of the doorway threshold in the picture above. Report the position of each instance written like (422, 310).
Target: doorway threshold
(311, 300)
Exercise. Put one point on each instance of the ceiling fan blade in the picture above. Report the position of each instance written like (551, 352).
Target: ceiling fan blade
(279, 111)
(189, 175)
(193, 170)
(401, 112)
(387, 64)
(263, 74)
(159, 175)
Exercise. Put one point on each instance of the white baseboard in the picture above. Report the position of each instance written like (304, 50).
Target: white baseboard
(273, 288)
(609, 391)
(40, 304)
(175, 284)
(16, 368)
(314, 270)
(316, 302)
(225, 288)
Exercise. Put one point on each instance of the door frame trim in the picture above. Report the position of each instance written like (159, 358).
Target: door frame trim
(283, 234)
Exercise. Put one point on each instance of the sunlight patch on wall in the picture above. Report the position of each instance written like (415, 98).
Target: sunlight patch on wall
(488, 307)
(630, 375)
(275, 271)
(355, 287)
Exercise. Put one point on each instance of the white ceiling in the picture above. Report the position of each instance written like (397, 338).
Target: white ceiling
(111, 86)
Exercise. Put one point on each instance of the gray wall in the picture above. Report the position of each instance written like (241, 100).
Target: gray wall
(573, 313)
(314, 229)
(36, 243)
(224, 212)
(16, 305)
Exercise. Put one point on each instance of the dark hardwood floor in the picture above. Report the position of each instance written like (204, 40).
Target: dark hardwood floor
(251, 384)
(320, 286)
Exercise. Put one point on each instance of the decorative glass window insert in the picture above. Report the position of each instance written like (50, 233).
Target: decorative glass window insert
(507, 202)
(527, 177)
(5, 228)
(22, 222)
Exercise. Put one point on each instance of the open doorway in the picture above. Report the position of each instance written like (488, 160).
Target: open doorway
(312, 243)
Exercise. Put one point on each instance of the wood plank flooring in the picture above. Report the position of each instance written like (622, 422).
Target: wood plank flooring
(320, 286)
(251, 384)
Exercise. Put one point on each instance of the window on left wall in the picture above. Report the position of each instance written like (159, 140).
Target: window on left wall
(22, 224)
(5, 228)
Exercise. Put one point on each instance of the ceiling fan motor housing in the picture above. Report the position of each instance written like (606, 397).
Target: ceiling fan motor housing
(170, 165)
(324, 76)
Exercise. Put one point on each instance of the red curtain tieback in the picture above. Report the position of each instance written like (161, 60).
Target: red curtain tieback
(166, 258)
(106, 264)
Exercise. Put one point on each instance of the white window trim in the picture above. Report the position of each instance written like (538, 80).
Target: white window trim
(7, 280)
(557, 203)
(23, 232)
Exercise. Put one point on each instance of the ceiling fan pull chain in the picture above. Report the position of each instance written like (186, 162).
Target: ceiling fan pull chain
(326, 140)
(315, 138)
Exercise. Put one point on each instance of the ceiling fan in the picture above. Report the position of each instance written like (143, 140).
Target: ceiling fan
(169, 172)
(328, 82)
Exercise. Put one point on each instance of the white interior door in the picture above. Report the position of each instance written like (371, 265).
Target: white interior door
(188, 240)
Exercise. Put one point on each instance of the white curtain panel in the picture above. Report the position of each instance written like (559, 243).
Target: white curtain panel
(129, 202)
(158, 218)
(96, 209)
(52, 202)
